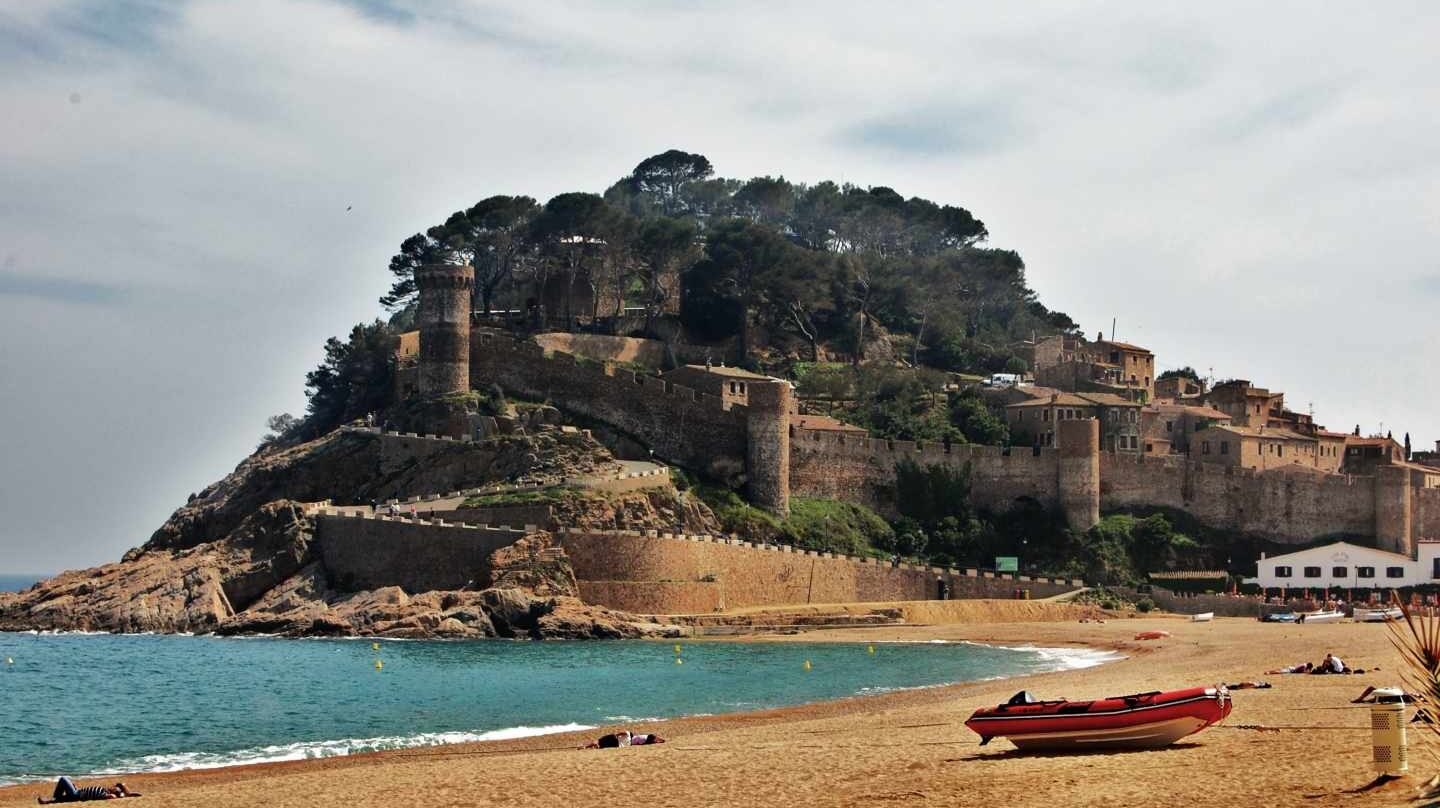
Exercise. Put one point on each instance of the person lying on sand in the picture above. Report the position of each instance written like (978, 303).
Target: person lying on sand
(1303, 667)
(624, 738)
(1250, 686)
(65, 791)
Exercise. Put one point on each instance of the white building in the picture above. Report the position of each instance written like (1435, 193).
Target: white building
(1349, 566)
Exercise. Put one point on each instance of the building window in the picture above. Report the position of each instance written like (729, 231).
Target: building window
(1435, 568)
(1312, 572)
(1339, 572)
(1394, 572)
(1283, 572)
(1279, 450)
(1044, 415)
(1205, 447)
(1364, 572)
(1149, 448)
(1169, 425)
(1224, 447)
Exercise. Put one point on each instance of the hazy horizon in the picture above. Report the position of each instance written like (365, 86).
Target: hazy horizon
(196, 195)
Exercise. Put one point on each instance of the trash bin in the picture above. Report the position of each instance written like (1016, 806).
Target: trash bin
(1387, 731)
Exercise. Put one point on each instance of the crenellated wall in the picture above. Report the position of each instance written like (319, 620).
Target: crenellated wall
(1281, 507)
(831, 464)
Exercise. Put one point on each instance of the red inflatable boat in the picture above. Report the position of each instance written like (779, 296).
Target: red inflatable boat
(1143, 720)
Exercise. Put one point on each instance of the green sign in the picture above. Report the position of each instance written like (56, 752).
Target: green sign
(1007, 564)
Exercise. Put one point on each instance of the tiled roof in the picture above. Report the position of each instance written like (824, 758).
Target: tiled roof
(1108, 399)
(721, 370)
(1187, 409)
(1258, 432)
(1124, 346)
(824, 423)
(1060, 400)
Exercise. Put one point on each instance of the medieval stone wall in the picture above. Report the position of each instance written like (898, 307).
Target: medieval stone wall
(832, 465)
(682, 426)
(418, 556)
(1276, 506)
(753, 575)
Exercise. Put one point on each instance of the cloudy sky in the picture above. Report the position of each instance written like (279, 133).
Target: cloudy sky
(1249, 191)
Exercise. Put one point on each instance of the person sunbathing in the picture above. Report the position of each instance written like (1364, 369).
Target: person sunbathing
(623, 738)
(66, 791)
(1303, 667)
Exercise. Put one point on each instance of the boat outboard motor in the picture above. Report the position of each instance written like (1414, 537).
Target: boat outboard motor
(1023, 697)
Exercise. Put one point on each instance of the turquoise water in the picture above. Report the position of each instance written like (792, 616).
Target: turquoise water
(15, 583)
(87, 704)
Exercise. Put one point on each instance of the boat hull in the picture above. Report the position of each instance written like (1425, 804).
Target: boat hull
(1377, 615)
(1142, 721)
(1139, 736)
(1322, 617)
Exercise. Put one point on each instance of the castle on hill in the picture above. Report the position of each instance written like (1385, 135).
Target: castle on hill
(1096, 432)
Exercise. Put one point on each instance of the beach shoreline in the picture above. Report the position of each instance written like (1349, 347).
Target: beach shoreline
(901, 743)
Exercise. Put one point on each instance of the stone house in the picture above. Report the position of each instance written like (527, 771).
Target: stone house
(1263, 448)
(729, 384)
(1103, 366)
(1179, 390)
(1362, 455)
(1165, 428)
(1035, 421)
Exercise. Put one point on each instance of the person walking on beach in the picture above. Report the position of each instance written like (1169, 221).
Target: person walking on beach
(66, 791)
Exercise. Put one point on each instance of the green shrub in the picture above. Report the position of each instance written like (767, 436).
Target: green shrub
(1144, 605)
(826, 525)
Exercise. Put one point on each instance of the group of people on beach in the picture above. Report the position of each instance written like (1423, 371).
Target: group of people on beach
(624, 737)
(1330, 664)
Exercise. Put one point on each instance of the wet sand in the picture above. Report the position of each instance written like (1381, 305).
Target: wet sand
(909, 748)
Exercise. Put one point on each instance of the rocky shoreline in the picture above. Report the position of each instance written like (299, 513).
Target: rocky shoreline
(243, 556)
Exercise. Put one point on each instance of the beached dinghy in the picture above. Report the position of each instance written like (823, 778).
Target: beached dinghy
(1141, 721)
(1322, 616)
(1203, 617)
(1377, 615)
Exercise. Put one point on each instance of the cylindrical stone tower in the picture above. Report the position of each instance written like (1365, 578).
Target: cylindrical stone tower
(444, 319)
(767, 457)
(1394, 510)
(1079, 472)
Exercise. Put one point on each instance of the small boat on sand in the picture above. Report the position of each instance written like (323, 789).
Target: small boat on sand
(1203, 617)
(1322, 616)
(1280, 617)
(1139, 721)
(1377, 615)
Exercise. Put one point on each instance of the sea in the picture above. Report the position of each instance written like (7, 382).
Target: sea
(89, 704)
(16, 583)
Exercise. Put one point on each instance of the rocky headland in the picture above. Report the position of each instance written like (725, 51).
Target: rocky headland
(243, 556)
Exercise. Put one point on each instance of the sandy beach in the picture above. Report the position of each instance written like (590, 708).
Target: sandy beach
(909, 748)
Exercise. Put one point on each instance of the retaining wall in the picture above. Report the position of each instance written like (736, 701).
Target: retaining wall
(418, 556)
(749, 575)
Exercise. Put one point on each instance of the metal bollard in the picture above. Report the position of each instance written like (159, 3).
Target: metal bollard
(1387, 731)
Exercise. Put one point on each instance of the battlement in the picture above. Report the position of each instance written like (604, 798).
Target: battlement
(889, 451)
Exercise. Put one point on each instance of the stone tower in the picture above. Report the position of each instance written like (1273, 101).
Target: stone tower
(444, 320)
(767, 456)
(1079, 472)
(1394, 510)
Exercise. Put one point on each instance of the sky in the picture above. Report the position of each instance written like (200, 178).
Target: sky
(195, 195)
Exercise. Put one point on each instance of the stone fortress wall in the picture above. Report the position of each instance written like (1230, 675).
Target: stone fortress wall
(1394, 507)
(648, 571)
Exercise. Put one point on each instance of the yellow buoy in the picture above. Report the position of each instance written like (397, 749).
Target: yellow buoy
(677, 647)
(374, 646)
(379, 665)
(679, 661)
(870, 649)
(807, 664)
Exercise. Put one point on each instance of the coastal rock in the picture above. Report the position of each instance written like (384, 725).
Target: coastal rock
(194, 590)
(534, 564)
